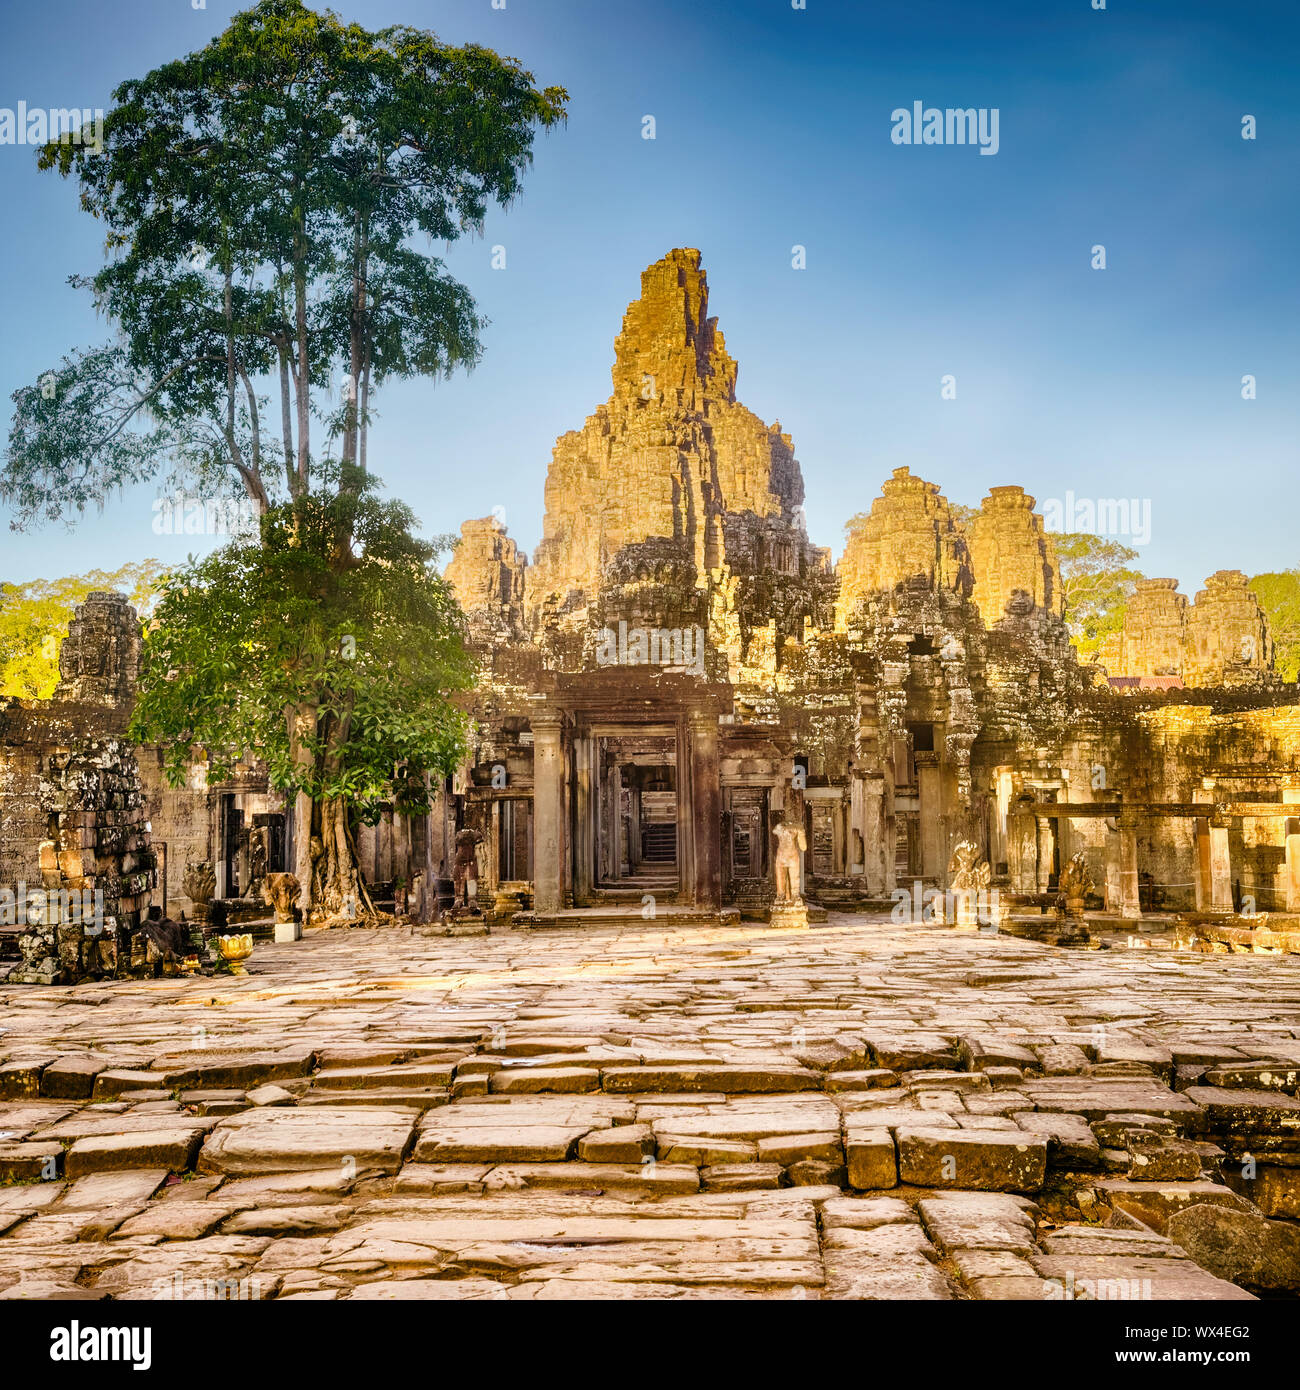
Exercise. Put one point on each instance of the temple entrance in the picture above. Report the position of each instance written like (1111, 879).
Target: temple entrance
(636, 840)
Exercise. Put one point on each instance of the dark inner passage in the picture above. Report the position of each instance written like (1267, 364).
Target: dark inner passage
(636, 832)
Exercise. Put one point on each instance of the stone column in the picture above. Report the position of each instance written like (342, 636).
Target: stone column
(1003, 789)
(548, 812)
(857, 822)
(1291, 872)
(1022, 851)
(1130, 904)
(929, 790)
(1220, 869)
(706, 809)
(877, 851)
(584, 818)
(1043, 836)
(1201, 845)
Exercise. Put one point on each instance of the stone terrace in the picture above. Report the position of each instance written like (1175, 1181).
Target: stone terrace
(862, 1110)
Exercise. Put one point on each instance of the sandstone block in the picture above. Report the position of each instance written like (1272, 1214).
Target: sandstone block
(987, 1160)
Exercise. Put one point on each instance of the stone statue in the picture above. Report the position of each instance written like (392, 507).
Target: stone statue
(790, 846)
(968, 882)
(200, 885)
(281, 892)
(465, 866)
(1076, 884)
(968, 870)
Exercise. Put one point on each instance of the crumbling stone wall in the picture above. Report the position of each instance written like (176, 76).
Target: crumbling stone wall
(96, 867)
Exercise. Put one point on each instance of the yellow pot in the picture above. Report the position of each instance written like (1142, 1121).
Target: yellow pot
(234, 950)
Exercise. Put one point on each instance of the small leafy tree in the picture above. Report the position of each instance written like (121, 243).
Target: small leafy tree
(245, 639)
(1097, 580)
(34, 621)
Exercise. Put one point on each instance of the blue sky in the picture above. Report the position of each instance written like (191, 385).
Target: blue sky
(1119, 127)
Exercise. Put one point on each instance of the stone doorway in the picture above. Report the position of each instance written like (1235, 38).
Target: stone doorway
(637, 812)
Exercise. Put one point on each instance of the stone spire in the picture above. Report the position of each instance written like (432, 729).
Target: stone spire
(488, 573)
(671, 460)
(909, 536)
(1227, 637)
(669, 350)
(1012, 554)
(1154, 628)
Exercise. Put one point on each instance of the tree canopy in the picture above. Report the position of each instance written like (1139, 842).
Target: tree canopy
(1279, 596)
(1097, 579)
(267, 203)
(246, 636)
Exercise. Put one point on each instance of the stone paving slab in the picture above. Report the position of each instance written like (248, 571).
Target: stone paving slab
(274, 1140)
(655, 1111)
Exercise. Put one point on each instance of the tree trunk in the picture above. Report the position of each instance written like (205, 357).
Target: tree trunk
(302, 722)
(304, 365)
(286, 414)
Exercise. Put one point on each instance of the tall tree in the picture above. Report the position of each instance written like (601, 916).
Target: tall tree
(266, 202)
(259, 628)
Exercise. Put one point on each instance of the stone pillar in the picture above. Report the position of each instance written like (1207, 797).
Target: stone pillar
(1022, 849)
(1129, 902)
(877, 850)
(401, 848)
(706, 809)
(929, 789)
(1003, 789)
(1220, 869)
(1043, 837)
(585, 813)
(1201, 846)
(857, 847)
(548, 812)
(1291, 872)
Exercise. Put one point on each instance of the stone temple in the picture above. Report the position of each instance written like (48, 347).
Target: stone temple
(681, 670)
(837, 934)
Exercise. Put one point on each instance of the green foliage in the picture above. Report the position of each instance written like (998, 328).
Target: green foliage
(374, 647)
(34, 621)
(264, 201)
(1279, 596)
(1098, 581)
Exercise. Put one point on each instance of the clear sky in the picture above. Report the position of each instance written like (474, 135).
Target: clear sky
(1119, 127)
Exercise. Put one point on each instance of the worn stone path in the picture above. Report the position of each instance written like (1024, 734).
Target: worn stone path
(862, 1110)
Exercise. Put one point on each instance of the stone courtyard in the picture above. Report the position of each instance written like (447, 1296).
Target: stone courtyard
(859, 1110)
